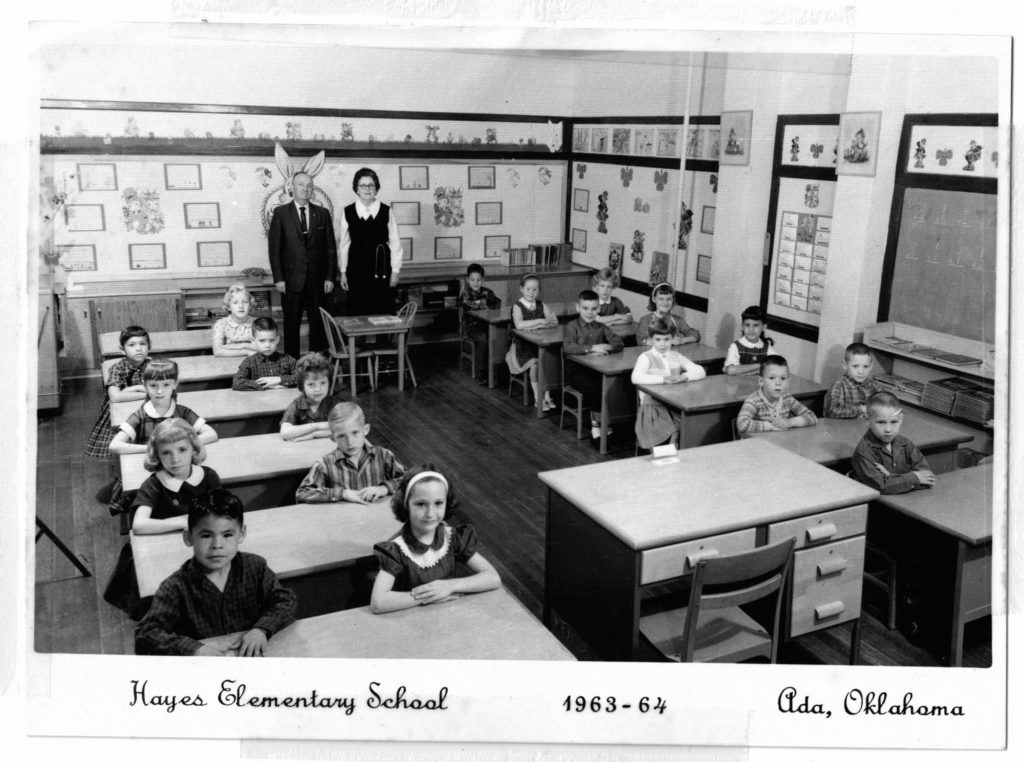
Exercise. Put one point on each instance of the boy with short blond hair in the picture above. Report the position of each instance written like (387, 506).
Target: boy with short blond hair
(771, 407)
(849, 394)
(586, 335)
(890, 463)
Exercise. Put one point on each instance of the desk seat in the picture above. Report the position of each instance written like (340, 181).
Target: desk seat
(231, 413)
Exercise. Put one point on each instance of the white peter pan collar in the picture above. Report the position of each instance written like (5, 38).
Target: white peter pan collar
(148, 409)
(173, 483)
(366, 212)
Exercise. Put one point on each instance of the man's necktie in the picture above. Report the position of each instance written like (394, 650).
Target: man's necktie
(305, 228)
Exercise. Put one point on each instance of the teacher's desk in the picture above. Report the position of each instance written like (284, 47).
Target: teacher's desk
(374, 325)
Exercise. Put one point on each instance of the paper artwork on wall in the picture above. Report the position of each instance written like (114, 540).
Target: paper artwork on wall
(659, 268)
(599, 140)
(626, 175)
(227, 176)
(685, 225)
(636, 253)
(811, 199)
(602, 212)
(639, 205)
(668, 143)
(643, 142)
(660, 179)
(620, 139)
(695, 143)
(703, 268)
(283, 194)
(615, 253)
(735, 127)
(512, 176)
(802, 261)
(858, 143)
(713, 145)
(448, 211)
(581, 170)
(142, 212)
(544, 175)
(581, 139)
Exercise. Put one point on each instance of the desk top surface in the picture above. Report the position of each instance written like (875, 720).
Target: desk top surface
(240, 459)
(503, 314)
(624, 361)
(295, 540)
(720, 391)
(195, 367)
(708, 491)
(960, 504)
(368, 325)
(832, 440)
(219, 404)
(553, 337)
(490, 625)
(162, 341)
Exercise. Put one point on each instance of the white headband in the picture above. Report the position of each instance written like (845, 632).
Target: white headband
(420, 477)
(663, 283)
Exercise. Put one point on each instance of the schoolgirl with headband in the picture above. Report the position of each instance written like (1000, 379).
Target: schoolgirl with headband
(418, 564)
(662, 305)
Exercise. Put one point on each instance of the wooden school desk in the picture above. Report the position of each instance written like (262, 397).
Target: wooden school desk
(618, 395)
(231, 413)
(942, 539)
(373, 325)
(619, 527)
(831, 441)
(549, 356)
(164, 343)
(498, 322)
(709, 406)
(263, 470)
(491, 625)
(312, 548)
(197, 372)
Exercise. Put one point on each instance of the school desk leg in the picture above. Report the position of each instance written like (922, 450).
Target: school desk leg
(605, 384)
(855, 642)
(541, 382)
(492, 353)
(401, 362)
(352, 363)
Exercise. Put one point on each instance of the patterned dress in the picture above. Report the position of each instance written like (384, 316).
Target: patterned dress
(522, 355)
(227, 332)
(122, 375)
(412, 563)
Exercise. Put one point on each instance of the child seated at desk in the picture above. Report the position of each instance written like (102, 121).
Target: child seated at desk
(585, 336)
(610, 309)
(267, 368)
(306, 417)
(885, 460)
(528, 314)
(770, 408)
(660, 364)
(476, 296)
(232, 335)
(746, 353)
(662, 305)
(357, 471)
(849, 394)
(217, 592)
(418, 564)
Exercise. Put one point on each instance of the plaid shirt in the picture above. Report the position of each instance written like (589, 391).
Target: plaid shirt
(258, 366)
(758, 414)
(888, 471)
(580, 337)
(298, 413)
(846, 396)
(484, 299)
(334, 473)
(188, 607)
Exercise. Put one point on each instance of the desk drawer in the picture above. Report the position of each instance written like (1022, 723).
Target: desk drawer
(676, 560)
(826, 585)
(822, 527)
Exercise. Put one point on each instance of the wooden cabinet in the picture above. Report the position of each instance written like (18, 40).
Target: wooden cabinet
(156, 312)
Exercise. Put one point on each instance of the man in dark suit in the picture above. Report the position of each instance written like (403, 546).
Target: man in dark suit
(304, 261)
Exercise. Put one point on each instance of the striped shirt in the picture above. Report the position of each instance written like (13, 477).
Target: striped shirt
(846, 397)
(334, 473)
(259, 366)
(760, 414)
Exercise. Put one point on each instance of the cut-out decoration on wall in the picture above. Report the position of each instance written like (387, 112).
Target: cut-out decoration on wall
(626, 174)
(554, 138)
(131, 129)
(237, 130)
(581, 170)
(448, 211)
(602, 212)
(660, 179)
(794, 148)
(142, 210)
(972, 156)
(811, 195)
(432, 132)
(284, 194)
(512, 176)
(620, 140)
(944, 156)
(293, 130)
(615, 254)
(659, 268)
(713, 182)
(995, 158)
(736, 126)
(492, 136)
(703, 268)
(920, 153)
(816, 149)
(227, 176)
(348, 135)
(264, 175)
(544, 175)
(858, 138)
(639, 205)
(636, 252)
(685, 225)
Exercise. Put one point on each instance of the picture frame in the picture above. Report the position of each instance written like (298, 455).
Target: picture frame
(581, 139)
(707, 220)
(621, 140)
(496, 245)
(858, 143)
(96, 176)
(147, 256)
(448, 247)
(406, 248)
(80, 257)
(85, 218)
(414, 177)
(203, 215)
(668, 143)
(734, 142)
(481, 177)
(580, 200)
(599, 140)
(643, 142)
(183, 177)
(406, 212)
(579, 239)
(214, 254)
(703, 268)
(488, 212)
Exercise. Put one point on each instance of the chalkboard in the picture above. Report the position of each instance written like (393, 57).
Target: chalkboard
(945, 266)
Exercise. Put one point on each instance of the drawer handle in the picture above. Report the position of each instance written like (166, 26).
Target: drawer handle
(821, 532)
(828, 610)
(834, 566)
(701, 555)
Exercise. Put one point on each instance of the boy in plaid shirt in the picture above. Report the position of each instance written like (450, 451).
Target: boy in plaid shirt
(848, 396)
(770, 408)
(267, 368)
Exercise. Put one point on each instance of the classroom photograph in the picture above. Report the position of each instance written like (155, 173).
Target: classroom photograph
(362, 351)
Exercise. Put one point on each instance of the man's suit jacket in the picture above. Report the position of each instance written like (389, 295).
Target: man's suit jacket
(293, 256)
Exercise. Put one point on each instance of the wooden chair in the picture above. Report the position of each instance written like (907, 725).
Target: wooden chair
(337, 348)
(576, 410)
(407, 315)
(467, 349)
(713, 627)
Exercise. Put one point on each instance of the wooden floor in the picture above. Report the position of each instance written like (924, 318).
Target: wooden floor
(492, 447)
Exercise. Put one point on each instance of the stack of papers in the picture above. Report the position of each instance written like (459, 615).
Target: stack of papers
(941, 394)
(976, 405)
(904, 388)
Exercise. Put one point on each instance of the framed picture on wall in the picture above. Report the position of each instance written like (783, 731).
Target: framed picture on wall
(707, 220)
(481, 178)
(183, 177)
(581, 138)
(406, 212)
(406, 249)
(496, 245)
(97, 177)
(643, 142)
(448, 247)
(579, 239)
(668, 142)
(147, 256)
(599, 140)
(214, 253)
(703, 268)
(84, 218)
(77, 256)
(858, 143)
(580, 200)
(414, 178)
(735, 138)
(202, 216)
(620, 139)
(488, 212)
